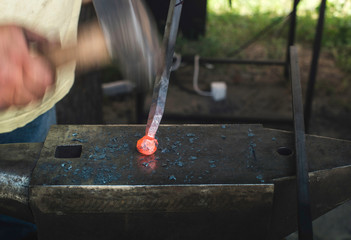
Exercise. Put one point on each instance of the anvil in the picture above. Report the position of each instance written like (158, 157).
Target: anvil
(205, 181)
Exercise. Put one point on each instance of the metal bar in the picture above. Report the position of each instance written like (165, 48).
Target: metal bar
(303, 195)
(234, 61)
(314, 65)
(292, 30)
(204, 118)
(117, 88)
(161, 85)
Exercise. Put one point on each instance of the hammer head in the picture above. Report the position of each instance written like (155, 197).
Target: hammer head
(132, 39)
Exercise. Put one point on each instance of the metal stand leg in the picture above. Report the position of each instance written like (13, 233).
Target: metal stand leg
(314, 65)
(303, 187)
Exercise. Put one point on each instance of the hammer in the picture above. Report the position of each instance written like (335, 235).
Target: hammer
(125, 33)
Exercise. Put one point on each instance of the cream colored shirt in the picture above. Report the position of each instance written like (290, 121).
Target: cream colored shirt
(56, 20)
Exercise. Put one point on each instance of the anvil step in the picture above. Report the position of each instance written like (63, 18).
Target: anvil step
(204, 181)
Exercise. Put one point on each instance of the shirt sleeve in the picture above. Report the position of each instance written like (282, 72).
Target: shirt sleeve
(56, 20)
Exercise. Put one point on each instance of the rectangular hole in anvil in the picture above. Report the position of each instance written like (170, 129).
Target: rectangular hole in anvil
(68, 151)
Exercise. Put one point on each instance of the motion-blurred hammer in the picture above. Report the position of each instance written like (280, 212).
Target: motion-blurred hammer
(126, 34)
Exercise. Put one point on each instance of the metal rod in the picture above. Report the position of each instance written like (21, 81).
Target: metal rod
(161, 85)
(314, 64)
(206, 119)
(234, 61)
(303, 194)
(292, 30)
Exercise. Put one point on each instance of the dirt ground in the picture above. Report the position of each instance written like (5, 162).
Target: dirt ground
(258, 94)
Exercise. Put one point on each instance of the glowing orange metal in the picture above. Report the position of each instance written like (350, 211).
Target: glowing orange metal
(147, 145)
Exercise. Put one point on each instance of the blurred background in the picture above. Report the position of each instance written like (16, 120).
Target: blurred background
(242, 30)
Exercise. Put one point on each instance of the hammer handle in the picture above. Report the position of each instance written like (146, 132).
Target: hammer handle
(89, 52)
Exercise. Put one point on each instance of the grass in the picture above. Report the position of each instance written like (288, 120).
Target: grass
(228, 28)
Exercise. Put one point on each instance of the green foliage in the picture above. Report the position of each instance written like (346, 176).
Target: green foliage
(228, 28)
(225, 33)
